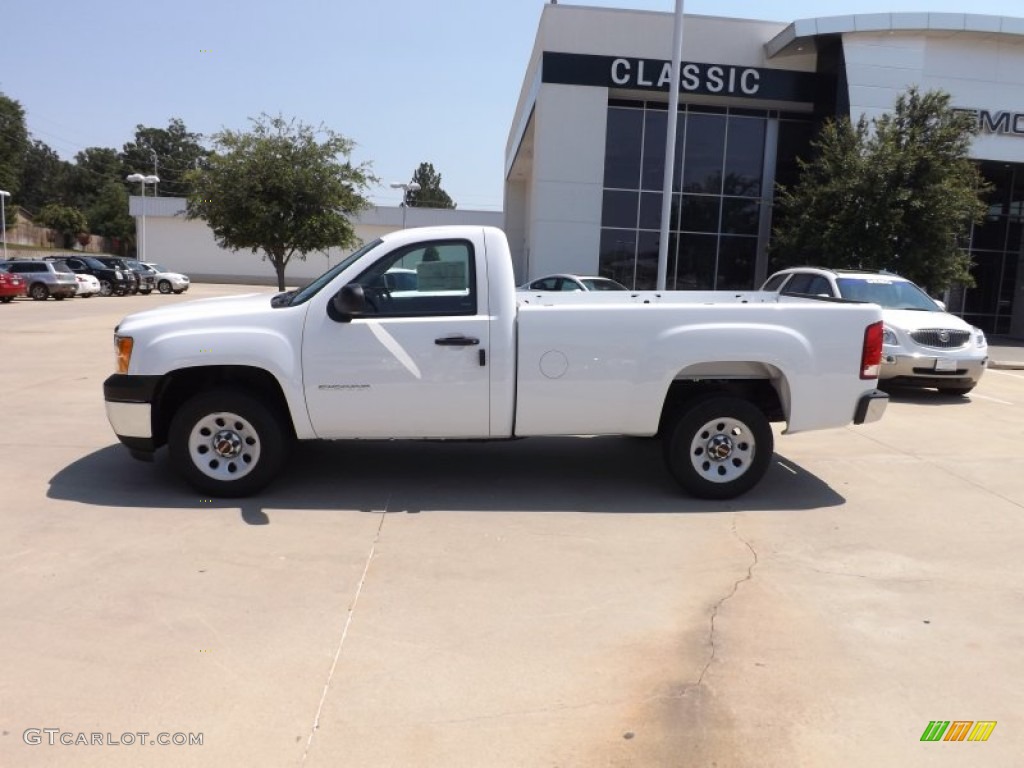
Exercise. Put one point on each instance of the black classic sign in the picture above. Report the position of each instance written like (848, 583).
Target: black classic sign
(656, 75)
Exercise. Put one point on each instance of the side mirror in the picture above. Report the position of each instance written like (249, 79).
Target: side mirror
(346, 303)
(942, 304)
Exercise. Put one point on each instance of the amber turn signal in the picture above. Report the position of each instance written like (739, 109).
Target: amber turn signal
(123, 346)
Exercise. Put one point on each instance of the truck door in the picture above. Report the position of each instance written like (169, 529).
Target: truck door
(414, 364)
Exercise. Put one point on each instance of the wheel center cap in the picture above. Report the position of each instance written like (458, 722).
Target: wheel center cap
(227, 444)
(719, 447)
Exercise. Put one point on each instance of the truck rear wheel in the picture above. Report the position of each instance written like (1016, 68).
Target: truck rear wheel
(718, 447)
(227, 443)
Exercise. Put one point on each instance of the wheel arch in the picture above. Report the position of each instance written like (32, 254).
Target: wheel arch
(179, 385)
(763, 384)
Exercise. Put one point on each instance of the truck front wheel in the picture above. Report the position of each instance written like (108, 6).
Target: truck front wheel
(227, 443)
(718, 447)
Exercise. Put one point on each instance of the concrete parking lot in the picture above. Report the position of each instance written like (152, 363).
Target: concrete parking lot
(550, 602)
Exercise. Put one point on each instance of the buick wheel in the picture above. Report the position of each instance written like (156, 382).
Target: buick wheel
(227, 443)
(718, 447)
(164, 286)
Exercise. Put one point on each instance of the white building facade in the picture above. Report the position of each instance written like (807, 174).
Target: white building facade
(188, 245)
(585, 154)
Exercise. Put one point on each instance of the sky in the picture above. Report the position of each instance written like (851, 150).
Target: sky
(408, 81)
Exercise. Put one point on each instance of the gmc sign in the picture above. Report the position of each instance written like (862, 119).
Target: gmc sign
(1003, 123)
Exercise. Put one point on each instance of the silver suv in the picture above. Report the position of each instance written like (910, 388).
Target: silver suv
(45, 278)
(923, 345)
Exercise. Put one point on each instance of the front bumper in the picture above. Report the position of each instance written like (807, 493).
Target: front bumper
(870, 407)
(129, 403)
(933, 369)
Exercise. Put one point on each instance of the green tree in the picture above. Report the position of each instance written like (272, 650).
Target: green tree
(430, 194)
(176, 151)
(13, 145)
(93, 170)
(43, 177)
(279, 189)
(68, 221)
(108, 212)
(900, 194)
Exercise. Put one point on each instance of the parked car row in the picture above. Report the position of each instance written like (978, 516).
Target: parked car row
(83, 275)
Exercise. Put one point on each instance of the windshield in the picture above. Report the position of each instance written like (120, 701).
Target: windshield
(313, 288)
(92, 262)
(156, 267)
(887, 293)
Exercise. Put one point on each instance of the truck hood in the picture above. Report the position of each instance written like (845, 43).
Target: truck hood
(247, 307)
(913, 320)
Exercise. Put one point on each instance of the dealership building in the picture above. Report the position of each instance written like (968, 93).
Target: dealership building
(585, 157)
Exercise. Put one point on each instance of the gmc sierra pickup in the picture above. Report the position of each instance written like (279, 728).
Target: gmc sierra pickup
(421, 334)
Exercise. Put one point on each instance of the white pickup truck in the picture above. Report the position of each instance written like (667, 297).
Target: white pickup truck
(421, 334)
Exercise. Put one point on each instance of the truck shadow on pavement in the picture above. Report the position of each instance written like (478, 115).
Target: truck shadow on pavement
(600, 474)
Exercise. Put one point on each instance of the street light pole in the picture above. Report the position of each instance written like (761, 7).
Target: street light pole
(143, 181)
(3, 218)
(412, 186)
(670, 147)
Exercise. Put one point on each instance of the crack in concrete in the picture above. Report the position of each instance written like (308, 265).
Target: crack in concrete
(344, 633)
(720, 603)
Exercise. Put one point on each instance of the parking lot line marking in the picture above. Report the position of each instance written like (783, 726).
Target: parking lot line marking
(344, 631)
(1004, 373)
(975, 395)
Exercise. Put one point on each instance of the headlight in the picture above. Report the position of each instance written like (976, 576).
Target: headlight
(979, 338)
(889, 336)
(123, 350)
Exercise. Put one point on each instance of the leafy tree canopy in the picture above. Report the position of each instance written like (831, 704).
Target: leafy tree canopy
(65, 219)
(430, 193)
(280, 188)
(43, 177)
(900, 194)
(13, 145)
(176, 149)
(108, 212)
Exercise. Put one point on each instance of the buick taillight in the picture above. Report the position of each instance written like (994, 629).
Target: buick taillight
(871, 354)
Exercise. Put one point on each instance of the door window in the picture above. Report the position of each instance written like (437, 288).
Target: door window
(425, 279)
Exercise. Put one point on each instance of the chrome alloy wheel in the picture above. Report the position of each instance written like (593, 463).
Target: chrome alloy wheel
(723, 450)
(224, 446)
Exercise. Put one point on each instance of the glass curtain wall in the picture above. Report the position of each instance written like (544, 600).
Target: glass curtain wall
(997, 250)
(718, 191)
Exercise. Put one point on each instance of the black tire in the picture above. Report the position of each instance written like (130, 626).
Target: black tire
(6, 299)
(59, 297)
(955, 391)
(39, 292)
(181, 291)
(735, 428)
(238, 418)
(164, 286)
(146, 292)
